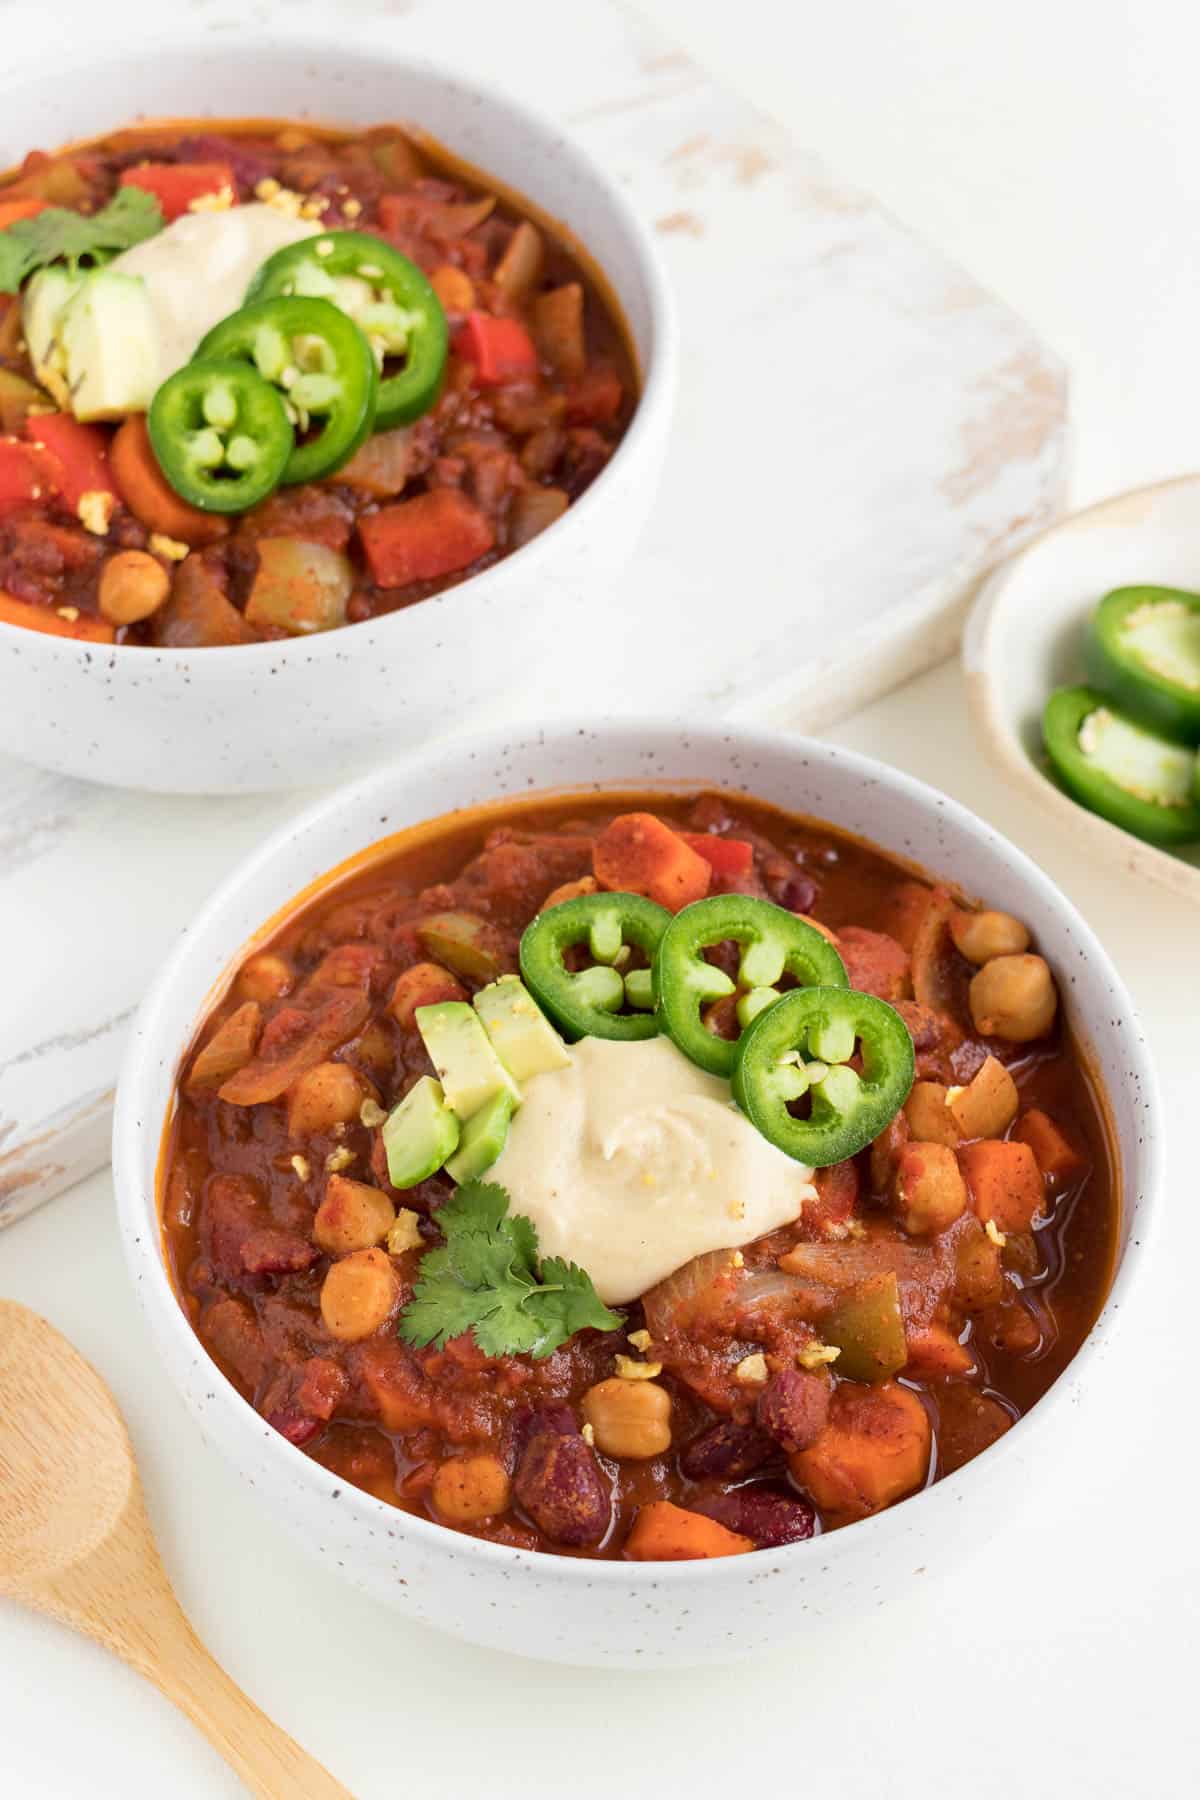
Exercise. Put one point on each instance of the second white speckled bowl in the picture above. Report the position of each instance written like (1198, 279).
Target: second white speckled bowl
(570, 1609)
(307, 710)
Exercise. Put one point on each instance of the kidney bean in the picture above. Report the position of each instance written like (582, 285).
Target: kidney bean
(794, 1407)
(526, 1422)
(764, 1514)
(271, 1251)
(559, 1484)
(727, 1450)
(798, 893)
(296, 1427)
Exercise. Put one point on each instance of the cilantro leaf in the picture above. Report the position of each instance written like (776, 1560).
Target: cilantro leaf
(485, 1279)
(60, 235)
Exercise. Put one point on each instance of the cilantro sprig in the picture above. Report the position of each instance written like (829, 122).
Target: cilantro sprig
(487, 1280)
(60, 235)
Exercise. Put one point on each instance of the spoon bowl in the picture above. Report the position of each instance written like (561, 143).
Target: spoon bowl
(75, 1543)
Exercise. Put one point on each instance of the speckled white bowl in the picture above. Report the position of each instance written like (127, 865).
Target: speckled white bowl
(291, 713)
(562, 1608)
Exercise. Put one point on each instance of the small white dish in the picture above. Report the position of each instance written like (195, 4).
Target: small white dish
(1025, 636)
(563, 1608)
(306, 710)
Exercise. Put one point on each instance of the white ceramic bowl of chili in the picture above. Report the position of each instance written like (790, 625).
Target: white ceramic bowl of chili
(565, 1608)
(299, 711)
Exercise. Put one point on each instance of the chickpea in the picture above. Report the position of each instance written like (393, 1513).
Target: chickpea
(358, 1295)
(929, 1117)
(629, 1418)
(352, 1216)
(133, 584)
(425, 984)
(453, 287)
(468, 1489)
(981, 936)
(265, 977)
(1014, 997)
(328, 1095)
(930, 1190)
(988, 1106)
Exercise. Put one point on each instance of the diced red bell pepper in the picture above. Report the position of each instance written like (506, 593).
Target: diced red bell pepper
(501, 349)
(423, 539)
(595, 399)
(176, 185)
(27, 472)
(81, 452)
(728, 856)
(12, 210)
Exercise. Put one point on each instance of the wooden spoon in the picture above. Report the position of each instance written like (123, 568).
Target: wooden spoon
(75, 1542)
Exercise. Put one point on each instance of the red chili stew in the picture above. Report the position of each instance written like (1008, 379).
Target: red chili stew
(538, 390)
(959, 1261)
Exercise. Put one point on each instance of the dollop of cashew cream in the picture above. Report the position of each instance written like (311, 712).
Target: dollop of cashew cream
(632, 1160)
(197, 271)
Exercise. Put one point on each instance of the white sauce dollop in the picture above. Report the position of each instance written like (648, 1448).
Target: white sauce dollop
(632, 1161)
(197, 271)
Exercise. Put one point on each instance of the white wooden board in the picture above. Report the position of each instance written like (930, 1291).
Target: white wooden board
(861, 431)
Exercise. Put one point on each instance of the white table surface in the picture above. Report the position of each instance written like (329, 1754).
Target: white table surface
(1053, 150)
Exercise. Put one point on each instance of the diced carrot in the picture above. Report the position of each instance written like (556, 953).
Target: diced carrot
(149, 495)
(934, 1353)
(176, 185)
(501, 350)
(728, 856)
(663, 1532)
(422, 539)
(87, 628)
(12, 210)
(1057, 1157)
(639, 854)
(1005, 1183)
(874, 1450)
(82, 452)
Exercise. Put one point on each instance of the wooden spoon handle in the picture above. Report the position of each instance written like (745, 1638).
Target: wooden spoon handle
(270, 1763)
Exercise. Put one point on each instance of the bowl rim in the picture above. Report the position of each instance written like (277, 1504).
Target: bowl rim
(985, 689)
(153, 1040)
(658, 369)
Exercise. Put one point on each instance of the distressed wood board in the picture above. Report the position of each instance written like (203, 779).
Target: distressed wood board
(861, 431)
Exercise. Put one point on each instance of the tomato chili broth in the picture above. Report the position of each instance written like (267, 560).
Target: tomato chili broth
(1080, 1249)
(500, 498)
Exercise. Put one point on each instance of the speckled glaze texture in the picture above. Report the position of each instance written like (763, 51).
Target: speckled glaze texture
(297, 712)
(1025, 637)
(559, 1608)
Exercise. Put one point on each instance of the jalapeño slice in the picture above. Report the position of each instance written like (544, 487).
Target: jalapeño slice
(1121, 770)
(773, 942)
(386, 295)
(587, 1002)
(322, 366)
(803, 1046)
(221, 435)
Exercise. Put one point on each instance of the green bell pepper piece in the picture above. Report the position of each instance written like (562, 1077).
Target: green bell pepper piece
(773, 942)
(867, 1326)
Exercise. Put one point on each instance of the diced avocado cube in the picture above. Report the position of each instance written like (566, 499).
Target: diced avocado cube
(522, 1036)
(482, 1138)
(47, 297)
(419, 1134)
(110, 338)
(461, 1052)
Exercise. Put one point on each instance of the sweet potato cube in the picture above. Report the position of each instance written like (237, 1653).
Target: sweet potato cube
(1057, 1157)
(1004, 1182)
(874, 1450)
(666, 1533)
(639, 854)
